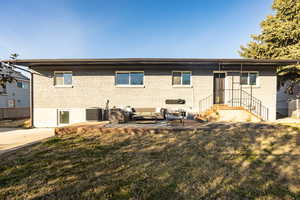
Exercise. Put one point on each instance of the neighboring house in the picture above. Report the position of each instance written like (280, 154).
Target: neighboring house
(64, 88)
(16, 94)
(283, 98)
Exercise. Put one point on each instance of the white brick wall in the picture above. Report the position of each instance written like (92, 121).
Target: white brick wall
(92, 87)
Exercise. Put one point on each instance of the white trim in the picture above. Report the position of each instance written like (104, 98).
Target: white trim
(62, 86)
(129, 85)
(181, 85)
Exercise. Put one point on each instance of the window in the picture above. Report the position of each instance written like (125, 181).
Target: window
(63, 78)
(249, 78)
(25, 85)
(130, 78)
(22, 84)
(11, 103)
(181, 78)
(3, 90)
(64, 116)
(19, 84)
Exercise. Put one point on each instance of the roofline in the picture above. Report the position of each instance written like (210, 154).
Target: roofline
(149, 61)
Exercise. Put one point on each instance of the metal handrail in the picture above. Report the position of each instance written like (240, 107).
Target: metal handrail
(238, 98)
(206, 103)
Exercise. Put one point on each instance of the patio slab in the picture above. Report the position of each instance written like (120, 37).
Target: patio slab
(12, 138)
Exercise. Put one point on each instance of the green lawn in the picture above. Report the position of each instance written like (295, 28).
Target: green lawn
(221, 161)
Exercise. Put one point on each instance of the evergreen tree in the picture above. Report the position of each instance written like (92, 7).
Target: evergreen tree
(279, 39)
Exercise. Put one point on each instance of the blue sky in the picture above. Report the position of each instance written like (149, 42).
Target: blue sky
(128, 28)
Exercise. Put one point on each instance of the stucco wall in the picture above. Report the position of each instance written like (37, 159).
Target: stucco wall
(92, 87)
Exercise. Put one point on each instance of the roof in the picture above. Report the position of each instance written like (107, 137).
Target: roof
(151, 61)
(19, 75)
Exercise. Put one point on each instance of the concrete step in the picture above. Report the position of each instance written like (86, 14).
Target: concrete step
(222, 112)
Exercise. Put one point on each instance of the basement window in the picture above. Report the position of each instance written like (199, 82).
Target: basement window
(63, 116)
(249, 78)
(133, 78)
(63, 79)
(181, 78)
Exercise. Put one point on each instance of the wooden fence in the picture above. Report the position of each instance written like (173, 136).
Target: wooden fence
(14, 113)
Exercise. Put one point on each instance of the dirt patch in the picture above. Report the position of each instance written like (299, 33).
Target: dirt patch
(138, 127)
(80, 128)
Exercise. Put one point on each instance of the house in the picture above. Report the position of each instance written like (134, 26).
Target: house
(16, 94)
(62, 89)
(15, 98)
(283, 98)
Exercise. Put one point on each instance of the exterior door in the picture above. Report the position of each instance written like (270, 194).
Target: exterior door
(219, 88)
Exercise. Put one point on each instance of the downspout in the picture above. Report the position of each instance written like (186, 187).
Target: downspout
(297, 107)
(297, 101)
(193, 99)
(31, 101)
(241, 89)
(219, 92)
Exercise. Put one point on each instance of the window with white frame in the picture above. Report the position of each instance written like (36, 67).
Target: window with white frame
(181, 78)
(25, 85)
(62, 78)
(22, 84)
(63, 116)
(249, 78)
(132, 78)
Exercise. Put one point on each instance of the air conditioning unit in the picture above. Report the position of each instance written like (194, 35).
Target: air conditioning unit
(94, 114)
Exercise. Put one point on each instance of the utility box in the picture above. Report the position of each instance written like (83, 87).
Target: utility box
(175, 101)
(94, 114)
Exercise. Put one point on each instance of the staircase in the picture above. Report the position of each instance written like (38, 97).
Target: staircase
(238, 106)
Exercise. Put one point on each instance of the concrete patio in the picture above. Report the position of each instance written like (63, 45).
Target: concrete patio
(13, 138)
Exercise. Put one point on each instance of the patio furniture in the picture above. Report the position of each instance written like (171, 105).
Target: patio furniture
(175, 116)
(149, 113)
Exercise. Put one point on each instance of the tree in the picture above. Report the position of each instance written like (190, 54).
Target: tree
(7, 72)
(279, 39)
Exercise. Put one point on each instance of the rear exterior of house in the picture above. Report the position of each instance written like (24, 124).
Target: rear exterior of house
(62, 90)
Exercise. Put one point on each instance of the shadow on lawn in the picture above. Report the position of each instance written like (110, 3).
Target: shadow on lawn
(218, 161)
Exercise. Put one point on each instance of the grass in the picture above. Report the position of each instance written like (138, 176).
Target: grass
(219, 161)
